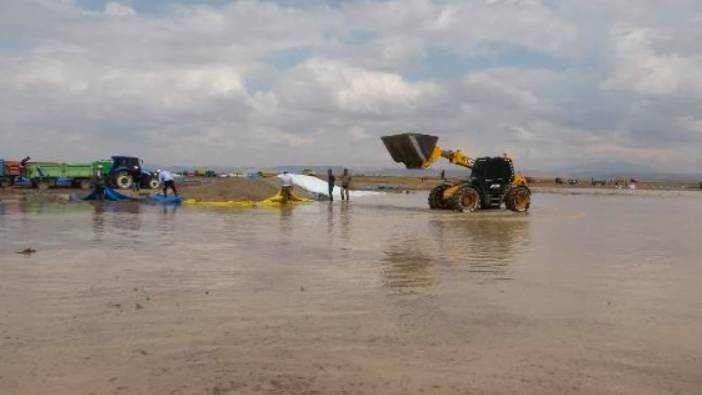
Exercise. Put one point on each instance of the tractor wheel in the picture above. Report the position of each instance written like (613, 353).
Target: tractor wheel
(154, 183)
(518, 199)
(4, 183)
(466, 200)
(436, 197)
(124, 180)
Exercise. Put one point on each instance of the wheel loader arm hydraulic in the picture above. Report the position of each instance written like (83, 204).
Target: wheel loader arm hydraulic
(457, 158)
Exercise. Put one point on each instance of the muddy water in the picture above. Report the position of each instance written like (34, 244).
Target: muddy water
(586, 294)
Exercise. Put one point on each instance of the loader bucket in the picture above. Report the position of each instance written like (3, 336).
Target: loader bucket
(411, 149)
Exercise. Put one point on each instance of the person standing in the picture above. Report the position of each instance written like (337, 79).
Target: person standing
(23, 166)
(99, 184)
(136, 183)
(287, 189)
(345, 185)
(330, 181)
(167, 180)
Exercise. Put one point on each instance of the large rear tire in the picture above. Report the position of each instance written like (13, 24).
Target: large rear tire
(124, 180)
(466, 200)
(518, 199)
(436, 197)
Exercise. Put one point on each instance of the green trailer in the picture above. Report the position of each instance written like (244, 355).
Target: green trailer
(44, 175)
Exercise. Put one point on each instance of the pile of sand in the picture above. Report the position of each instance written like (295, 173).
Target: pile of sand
(228, 189)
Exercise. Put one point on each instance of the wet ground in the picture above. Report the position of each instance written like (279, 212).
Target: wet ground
(586, 294)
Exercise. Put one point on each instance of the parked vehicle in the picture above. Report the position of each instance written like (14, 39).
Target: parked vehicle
(120, 171)
(5, 180)
(44, 175)
(123, 171)
(10, 170)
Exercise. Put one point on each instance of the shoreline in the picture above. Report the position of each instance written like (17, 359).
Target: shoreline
(242, 189)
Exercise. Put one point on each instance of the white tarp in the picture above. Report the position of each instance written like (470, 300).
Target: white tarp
(318, 186)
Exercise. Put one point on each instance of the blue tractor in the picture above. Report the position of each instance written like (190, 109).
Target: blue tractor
(126, 170)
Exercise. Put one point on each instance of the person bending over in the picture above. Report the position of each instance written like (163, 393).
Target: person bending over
(168, 182)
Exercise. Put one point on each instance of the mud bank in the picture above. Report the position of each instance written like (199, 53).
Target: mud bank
(204, 189)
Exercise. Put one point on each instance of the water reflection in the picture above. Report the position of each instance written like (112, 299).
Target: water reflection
(330, 220)
(98, 222)
(345, 220)
(286, 223)
(477, 246)
(407, 264)
(166, 223)
(486, 246)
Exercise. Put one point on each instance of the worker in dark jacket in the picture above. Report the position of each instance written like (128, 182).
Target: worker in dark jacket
(23, 165)
(99, 184)
(331, 180)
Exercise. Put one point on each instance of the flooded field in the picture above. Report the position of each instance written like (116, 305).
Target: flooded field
(586, 295)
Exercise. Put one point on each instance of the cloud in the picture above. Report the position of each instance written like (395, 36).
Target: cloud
(261, 83)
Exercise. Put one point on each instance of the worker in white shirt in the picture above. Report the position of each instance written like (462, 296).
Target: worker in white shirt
(167, 180)
(287, 189)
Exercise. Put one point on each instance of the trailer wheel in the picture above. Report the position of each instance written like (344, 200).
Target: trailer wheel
(466, 200)
(43, 185)
(124, 180)
(84, 184)
(154, 183)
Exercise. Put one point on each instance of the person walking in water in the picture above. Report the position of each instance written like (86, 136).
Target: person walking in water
(167, 180)
(345, 185)
(330, 181)
(287, 189)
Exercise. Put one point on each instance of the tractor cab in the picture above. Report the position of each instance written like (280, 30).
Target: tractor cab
(492, 176)
(493, 170)
(126, 162)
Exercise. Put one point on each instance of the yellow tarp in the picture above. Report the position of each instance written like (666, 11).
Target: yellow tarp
(272, 201)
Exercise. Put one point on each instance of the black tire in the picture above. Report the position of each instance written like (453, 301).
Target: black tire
(436, 197)
(466, 200)
(124, 180)
(4, 183)
(43, 185)
(518, 199)
(153, 183)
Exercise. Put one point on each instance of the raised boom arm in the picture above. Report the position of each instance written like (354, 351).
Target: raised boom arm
(419, 151)
(456, 157)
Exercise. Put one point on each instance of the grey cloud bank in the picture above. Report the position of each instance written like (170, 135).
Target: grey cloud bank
(258, 83)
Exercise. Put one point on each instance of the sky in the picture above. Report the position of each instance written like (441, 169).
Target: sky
(556, 83)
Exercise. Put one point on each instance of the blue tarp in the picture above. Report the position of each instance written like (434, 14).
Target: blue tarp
(109, 194)
(160, 199)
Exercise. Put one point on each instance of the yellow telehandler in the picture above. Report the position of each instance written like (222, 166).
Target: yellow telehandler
(492, 182)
